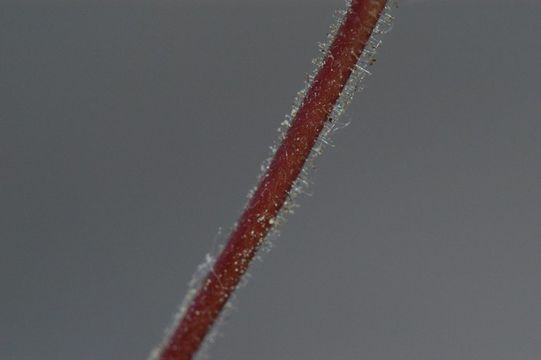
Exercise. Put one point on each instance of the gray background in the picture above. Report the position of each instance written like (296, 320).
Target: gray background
(131, 131)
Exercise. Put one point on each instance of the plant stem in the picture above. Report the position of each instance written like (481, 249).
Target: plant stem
(276, 183)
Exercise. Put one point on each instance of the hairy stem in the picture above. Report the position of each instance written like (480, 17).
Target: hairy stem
(275, 185)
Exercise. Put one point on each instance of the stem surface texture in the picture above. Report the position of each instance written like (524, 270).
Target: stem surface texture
(275, 185)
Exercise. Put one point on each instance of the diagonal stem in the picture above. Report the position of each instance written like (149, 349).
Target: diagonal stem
(275, 185)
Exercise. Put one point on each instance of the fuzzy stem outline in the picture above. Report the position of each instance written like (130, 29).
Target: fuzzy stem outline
(275, 185)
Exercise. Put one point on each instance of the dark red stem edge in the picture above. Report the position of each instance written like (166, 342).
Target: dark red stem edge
(274, 186)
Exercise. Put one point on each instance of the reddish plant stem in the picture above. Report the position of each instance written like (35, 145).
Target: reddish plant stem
(274, 186)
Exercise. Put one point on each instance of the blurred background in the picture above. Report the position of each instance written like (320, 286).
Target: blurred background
(131, 132)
